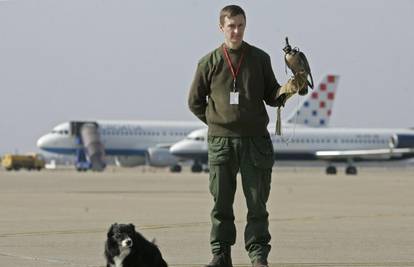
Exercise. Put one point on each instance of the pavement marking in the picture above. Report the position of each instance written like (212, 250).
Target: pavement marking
(316, 264)
(301, 264)
(114, 192)
(48, 260)
(196, 224)
(52, 232)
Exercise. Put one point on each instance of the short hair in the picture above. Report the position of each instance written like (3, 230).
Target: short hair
(231, 11)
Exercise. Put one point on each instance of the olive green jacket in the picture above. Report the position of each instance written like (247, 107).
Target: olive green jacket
(209, 97)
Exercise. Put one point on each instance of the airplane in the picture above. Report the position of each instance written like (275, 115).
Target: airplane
(328, 144)
(133, 143)
(307, 137)
(130, 143)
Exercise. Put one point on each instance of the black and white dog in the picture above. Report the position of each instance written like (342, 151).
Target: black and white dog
(125, 247)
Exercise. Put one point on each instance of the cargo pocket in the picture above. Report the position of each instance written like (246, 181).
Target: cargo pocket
(261, 151)
(218, 150)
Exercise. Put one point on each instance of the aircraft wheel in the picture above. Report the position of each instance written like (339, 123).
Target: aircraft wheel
(351, 170)
(175, 168)
(331, 170)
(197, 168)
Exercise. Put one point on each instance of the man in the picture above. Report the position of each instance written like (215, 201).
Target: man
(227, 94)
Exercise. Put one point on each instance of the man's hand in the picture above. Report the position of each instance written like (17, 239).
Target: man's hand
(294, 85)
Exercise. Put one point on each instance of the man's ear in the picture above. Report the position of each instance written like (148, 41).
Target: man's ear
(221, 27)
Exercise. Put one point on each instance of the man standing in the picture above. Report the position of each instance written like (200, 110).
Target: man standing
(228, 93)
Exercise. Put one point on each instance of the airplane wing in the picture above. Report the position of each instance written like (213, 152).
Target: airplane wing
(385, 153)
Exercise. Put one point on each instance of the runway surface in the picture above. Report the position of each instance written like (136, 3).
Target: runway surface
(60, 217)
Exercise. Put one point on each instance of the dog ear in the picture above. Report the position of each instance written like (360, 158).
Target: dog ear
(132, 226)
(109, 234)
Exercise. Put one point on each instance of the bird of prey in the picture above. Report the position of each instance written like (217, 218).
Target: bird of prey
(297, 63)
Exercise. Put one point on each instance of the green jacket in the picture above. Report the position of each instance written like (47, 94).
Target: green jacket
(209, 97)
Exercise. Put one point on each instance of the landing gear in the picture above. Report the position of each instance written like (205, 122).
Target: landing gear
(351, 170)
(175, 168)
(331, 170)
(197, 167)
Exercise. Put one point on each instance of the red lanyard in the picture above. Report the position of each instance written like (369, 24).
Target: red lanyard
(234, 73)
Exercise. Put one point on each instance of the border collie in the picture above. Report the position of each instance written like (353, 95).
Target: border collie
(125, 247)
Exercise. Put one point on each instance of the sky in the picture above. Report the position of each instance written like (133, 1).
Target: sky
(135, 60)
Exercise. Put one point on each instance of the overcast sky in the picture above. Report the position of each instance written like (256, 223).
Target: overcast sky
(108, 59)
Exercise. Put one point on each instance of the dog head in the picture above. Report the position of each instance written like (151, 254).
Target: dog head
(120, 238)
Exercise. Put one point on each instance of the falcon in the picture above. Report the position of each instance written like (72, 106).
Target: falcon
(296, 61)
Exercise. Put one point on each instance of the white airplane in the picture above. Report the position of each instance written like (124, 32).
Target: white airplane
(134, 143)
(317, 142)
(131, 143)
(329, 144)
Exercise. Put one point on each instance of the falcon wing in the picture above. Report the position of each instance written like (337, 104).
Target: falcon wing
(307, 68)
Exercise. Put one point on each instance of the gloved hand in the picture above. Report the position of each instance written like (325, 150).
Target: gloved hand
(289, 88)
(294, 85)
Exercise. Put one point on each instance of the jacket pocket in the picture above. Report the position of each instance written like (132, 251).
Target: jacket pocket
(261, 151)
(218, 150)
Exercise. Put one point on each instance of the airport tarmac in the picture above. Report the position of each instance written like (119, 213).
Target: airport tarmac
(60, 217)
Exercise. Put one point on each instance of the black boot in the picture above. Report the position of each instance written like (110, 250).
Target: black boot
(220, 260)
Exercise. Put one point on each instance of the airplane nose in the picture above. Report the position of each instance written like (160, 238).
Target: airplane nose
(187, 148)
(43, 141)
(177, 149)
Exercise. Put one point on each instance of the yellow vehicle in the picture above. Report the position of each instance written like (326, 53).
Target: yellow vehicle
(17, 162)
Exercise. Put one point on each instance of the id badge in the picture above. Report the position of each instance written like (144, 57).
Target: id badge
(234, 98)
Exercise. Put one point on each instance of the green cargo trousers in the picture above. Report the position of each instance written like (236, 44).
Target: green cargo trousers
(254, 158)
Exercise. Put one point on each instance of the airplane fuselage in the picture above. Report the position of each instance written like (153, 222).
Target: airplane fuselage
(120, 137)
(303, 143)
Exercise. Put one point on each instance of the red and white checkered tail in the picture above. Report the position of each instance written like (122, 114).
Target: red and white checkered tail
(316, 109)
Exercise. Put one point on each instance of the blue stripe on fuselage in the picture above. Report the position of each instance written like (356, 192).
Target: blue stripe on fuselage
(110, 152)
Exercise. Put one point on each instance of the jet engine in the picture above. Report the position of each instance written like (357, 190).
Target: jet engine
(130, 161)
(161, 157)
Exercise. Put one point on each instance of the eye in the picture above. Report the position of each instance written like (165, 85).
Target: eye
(117, 235)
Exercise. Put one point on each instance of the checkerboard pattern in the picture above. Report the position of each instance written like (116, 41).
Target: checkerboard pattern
(316, 110)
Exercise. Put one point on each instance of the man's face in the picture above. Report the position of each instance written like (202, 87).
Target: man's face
(233, 29)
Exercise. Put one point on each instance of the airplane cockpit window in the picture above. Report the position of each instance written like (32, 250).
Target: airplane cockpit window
(60, 132)
(197, 138)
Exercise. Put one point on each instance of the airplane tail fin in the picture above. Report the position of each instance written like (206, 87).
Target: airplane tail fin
(316, 109)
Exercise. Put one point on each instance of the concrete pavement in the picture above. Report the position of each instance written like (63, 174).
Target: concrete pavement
(60, 218)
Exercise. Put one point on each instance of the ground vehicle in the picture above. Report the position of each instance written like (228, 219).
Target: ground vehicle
(17, 162)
